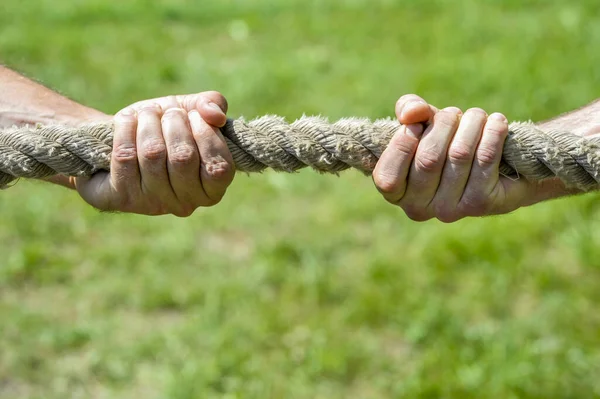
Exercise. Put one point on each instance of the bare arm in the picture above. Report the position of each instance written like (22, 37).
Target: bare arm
(23, 101)
(169, 156)
(584, 121)
(445, 163)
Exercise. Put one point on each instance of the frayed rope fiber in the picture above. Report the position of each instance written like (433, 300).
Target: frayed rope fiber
(271, 142)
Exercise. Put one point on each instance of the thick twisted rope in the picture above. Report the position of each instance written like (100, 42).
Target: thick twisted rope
(271, 142)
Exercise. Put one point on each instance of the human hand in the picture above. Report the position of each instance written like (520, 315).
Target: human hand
(169, 157)
(445, 164)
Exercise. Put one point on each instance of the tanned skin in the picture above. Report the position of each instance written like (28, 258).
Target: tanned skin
(169, 156)
(444, 163)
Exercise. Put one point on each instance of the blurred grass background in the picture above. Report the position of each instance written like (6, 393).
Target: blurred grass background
(302, 286)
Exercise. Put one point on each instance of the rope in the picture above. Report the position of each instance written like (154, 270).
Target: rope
(271, 142)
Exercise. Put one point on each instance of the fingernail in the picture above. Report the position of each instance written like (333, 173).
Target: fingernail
(415, 103)
(415, 130)
(215, 106)
(412, 105)
(498, 117)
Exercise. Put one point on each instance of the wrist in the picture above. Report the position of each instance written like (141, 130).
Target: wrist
(63, 117)
(549, 189)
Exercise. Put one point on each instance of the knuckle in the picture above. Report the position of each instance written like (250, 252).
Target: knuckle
(447, 118)
(219, 169)
(183, 155)
(154, 150)
(497, 128)
(184, 211)
(416, 214)
(213, 201)
(486, 156)
(125, 153)
(173, 100)
(448, 218)
(126, 118)
(173, 113)
(387, 183)
(405, 145)
(476, 112)
(428, 161)
(446, 213)
(149, 110)
(460, 153)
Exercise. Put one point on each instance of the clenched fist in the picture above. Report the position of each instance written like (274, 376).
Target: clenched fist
(169, 157)
(444, 164)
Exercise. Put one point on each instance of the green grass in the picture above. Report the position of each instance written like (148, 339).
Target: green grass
(302, 286)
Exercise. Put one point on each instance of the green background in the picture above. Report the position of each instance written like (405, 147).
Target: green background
(302, 286)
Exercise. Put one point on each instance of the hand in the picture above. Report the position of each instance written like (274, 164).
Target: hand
(445, 164)
(169, 157)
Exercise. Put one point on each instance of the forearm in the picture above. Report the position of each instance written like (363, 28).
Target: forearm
(583, 122)
(23, 101)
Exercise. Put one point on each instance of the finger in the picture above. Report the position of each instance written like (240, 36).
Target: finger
(426, 170)
(458, 163)
(217, 98)
(153, 158)
(112, 191)
(215, 114)
(412, 109)
(124, 164)
(408, 98)
(183, 161)
(216, 163)
(485, 171)
(392, 168)
(213, 108)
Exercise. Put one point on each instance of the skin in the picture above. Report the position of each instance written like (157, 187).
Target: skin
(169, 156)
(444, 163)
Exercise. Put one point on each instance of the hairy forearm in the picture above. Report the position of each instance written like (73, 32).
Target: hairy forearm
(23, 101)
(583, 122)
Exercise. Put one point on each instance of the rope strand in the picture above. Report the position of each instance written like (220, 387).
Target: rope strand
(271, 142)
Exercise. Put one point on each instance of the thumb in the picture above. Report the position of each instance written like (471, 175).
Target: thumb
(416, 112)
(212, 107)
(212, 113)
(96, 190)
